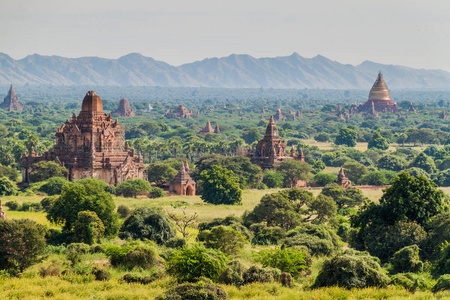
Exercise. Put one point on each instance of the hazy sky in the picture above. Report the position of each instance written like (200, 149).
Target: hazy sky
(414, 33)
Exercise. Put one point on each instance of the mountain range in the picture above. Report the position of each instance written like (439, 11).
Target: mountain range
(234, 71)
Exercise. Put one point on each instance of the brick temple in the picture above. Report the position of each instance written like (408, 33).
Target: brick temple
(11, 101)
(90, 145)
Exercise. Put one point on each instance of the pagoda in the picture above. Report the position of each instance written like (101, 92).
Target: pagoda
(11, 101)
(342, 179)
(90, 145)
(181, 112)
(2, 212)
(208, 129)
(124, 109)
(379, 98)
(183, 184)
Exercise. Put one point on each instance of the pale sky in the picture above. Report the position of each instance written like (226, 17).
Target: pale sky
(413, 33)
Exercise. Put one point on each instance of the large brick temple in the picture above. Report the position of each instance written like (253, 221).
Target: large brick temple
(90, 145)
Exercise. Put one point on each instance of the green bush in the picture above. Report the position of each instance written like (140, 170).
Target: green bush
(266, 235)
(30, 206)
(322, 179)
(12, 205)
(47, 202)
(101, 274)
(123, 211)
(44, 170)
(147, 223)
(194, 291)
(288, 260)
(53, 186)
(132, 255)
(88, 228)
(442, 265)
(410, 281)
(351, 269)
(189, 264)
(315, 245)
(7, 187)
(273, 179)
(220, 186)
(75, 251)
(176, 242)
(406, 260)
(133, 188)
(261, 275)
(156, 192)
(233, 274)
(442, 284)
(224, 238)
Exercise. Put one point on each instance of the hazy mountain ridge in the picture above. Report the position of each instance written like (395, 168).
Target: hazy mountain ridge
(234, 71)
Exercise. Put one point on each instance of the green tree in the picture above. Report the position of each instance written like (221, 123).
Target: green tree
(293, 171)
(220, 186)
(88, 195)
(322, 179)
(148, 223)
(378, 142)
(133, 187)
(322, 137)
(391, 163)
(377, 178)
(22, 244)
(8, 172)
(424, 162)
(251, 135)
(346, 136)
(223, 238)
(88, 228)
(53, 186)
(44, 170)
(273, 179)
(349, 197)
(354, 171)
(160, 173)
(323, 208)
(288, 260)
(7, 187)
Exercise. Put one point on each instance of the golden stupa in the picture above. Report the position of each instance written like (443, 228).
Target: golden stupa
(379, 98)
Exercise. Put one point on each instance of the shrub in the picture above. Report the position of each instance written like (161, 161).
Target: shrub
(220, 186)
(132, 255)
(410, 281)
(123, 211)
(322, 179)
(407, 260)
(176, 242)
(52, 270)
(351, 269)
(156, 192)
(30, 206)
(101, 274)
(194, 291)
(143, 279)
(189, 264)
(442, 265)
(233, 274)
(287, 260)
(88, 228)
(315, 245)
(74, 252)
(147, 223)
(7, 187)
(286, 279)
(44, 170)
(133, 187)
(261, 275)
(266, 235)
(442, 284)
(12, 205)
(223, 238)
(47, 202)
(53, 186)
(273, 179)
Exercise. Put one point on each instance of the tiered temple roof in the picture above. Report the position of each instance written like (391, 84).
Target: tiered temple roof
(11, 101)
(379, 98)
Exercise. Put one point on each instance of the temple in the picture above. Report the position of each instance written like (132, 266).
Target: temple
(208, 129)
(90, 145)
(379, 98)
(183, 184)
(124, 109)
(271, 150)
(2, 212)
(180, 112)
(11, 101)
(342, 179)
(278, 116)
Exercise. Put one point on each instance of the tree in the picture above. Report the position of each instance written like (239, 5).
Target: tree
(7, 187)
(322, 137)
(147, 223)
(288, 260)
(223, 238)
(346, 136)
(406, 260)
(424, 162)
(220, 186)
(88, 228)
(377, 178)
(323, 208)
(349, 197)
(160, 173)
(183, 222)
(354, 171)
(322, 179)
(189, 264)
(53, 186)
(82, 196)
(293, 171)
(273, 179)
(8, 172)
(251, 135)
(22, 243)
(44, 170)
(378, 142)
(391, 163)
(133, 187)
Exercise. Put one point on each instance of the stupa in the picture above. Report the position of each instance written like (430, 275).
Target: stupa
(183, 184)
(2, 212)
(379, 98)
(180, 112)
(11, 101)
(90, 145)
(124, 109)
(208, 129)
(342, 179)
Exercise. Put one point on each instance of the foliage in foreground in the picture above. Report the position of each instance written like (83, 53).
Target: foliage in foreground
(194, 291)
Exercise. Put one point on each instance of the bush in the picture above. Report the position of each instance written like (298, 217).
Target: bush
(12, 205)
(261, 275)
(7, 187)
(132, 255)
(189, 264)
(143, 279)
(133, 187)
(223, 238)
(351, 269)
(147, 223)
(53, 186)
(287, 260)
(194, 291)
(442, 284)
(123, 211)
(101, 274)
(176, 242)
(75, 250)
(88, 228)
(286, 279)
(407, 260)
(156, 192)
(322, 179)
(52, 270)
(44, 170)
(266, 235)
(47, 203)
(442, 265)
(273, 179)
(220, 186)
(411, 282)
(315, 245)
(233, 274)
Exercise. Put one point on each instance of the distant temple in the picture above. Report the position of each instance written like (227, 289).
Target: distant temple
(208, 129)
(271, 150)
(11, 101)
(124, 109)
(180, 112)
(411, 107)
(278, 116)
(183, 184)
(443, 115)
(342, 179)
(90, 145)
(379, 99)
(2, 212)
